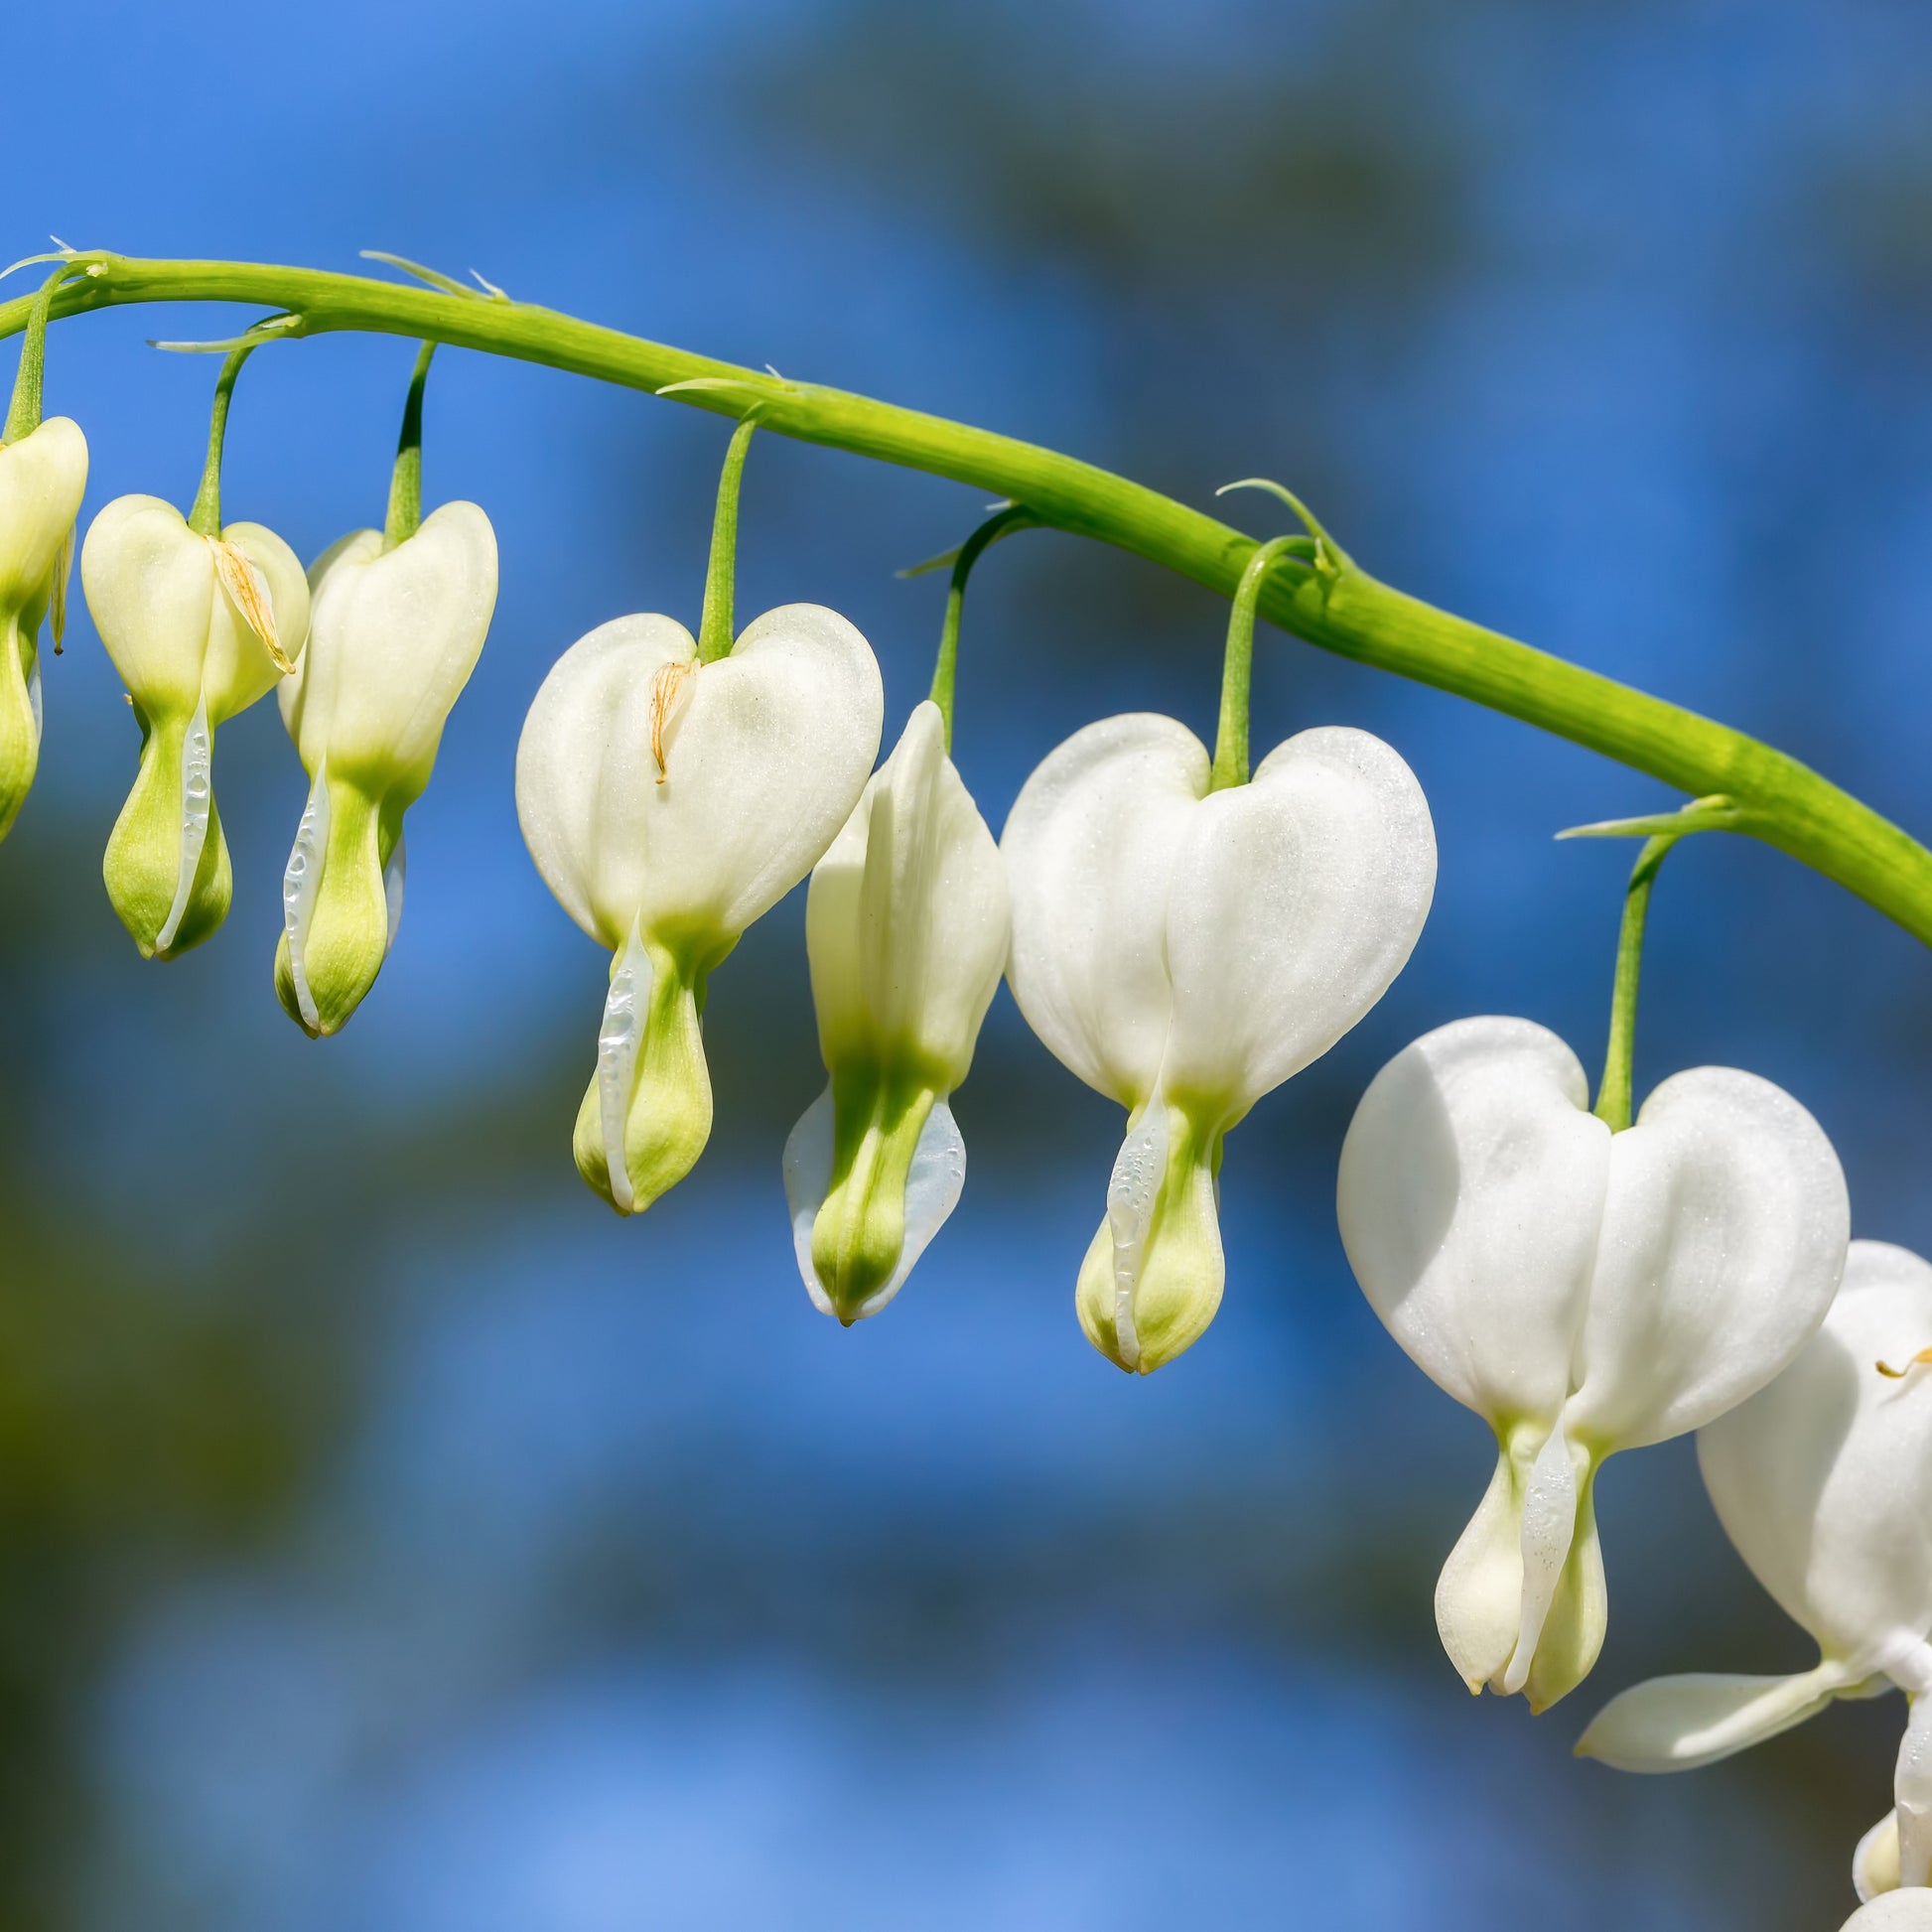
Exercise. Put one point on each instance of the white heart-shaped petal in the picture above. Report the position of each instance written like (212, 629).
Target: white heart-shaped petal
(43, 477)
(1895, 1911)
(1296, 899)
(1469, 1197)
(1724, 1237)
(1090, 846)
(764, 754)
(1822, 1481)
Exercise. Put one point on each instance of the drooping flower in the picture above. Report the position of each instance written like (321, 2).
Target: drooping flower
(1823, 1481)
(907, 927)
(669, 802)
(199, 627)
(1185, 950)
(397, 620)
(43, 477)
(1583, 1292)
(393, 635)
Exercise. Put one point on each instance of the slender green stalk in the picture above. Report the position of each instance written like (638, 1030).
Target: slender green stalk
(204, 519)
(715, 622)
(23, 412)
(1340, 607)
(405, 516)
(1237, 664)
(1613, 1094)
(1016, 516)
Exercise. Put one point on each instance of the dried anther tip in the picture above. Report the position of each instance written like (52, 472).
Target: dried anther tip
(241, 577)
(1919, 1361)
(670, 693)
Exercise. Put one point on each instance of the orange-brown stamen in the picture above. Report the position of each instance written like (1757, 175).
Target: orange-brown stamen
(1919, 1361)
(666, 688)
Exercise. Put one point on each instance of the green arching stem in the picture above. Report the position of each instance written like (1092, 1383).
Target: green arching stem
(1237, 663)
(204, 519)
(1613, 1094)
(23, 412)
(405, 516)
(1016, 516)
(715, 633)
(1338, 605)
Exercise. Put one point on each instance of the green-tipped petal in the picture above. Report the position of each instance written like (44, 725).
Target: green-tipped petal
(342, 898)
(647, 1115)
(165, 867)
(1152, 1275)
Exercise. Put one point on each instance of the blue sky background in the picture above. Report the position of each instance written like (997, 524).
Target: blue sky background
(398, 1541)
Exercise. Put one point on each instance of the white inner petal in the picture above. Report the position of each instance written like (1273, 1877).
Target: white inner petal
(197, 772)
(394, 874)
(299, 883)
(1549, 1525)
(617, 1042)
(1131, 1193)
(808, 1179)
(1912, 1784)
(33, 698)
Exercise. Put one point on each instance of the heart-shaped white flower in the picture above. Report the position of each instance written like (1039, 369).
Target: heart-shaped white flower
(393, 635)
(668, 803)
(1582, 1291)
(1185, 951)
(198, 627)
(906, 927)
(1823, 1481)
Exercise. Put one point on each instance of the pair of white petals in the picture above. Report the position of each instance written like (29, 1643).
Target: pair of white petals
(1823, 1481)
(1185, 951)
(1582, 1291)
(393, 636)
(667, 804)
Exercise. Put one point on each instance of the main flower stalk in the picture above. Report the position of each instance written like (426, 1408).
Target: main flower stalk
(1345, 609)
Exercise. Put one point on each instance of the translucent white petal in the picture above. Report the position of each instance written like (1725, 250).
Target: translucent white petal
(1470, 1189)
(393, 636)
(932, 1192)
(1824, 1479)
(1090, 846)
(1724, 1237)
(1675, 1724)
(1296, 899)
(907, 924)
(196, 794)
(150, 585)
(765, 760)
(1912, 1795)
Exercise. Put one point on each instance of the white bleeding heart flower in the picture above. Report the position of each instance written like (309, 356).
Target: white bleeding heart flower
(907, 927)
(1583, 1292)
(199, 627)
(1823, 1481)
(1185, 951)
(43, 477)
(668, 803)
(393, 635)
